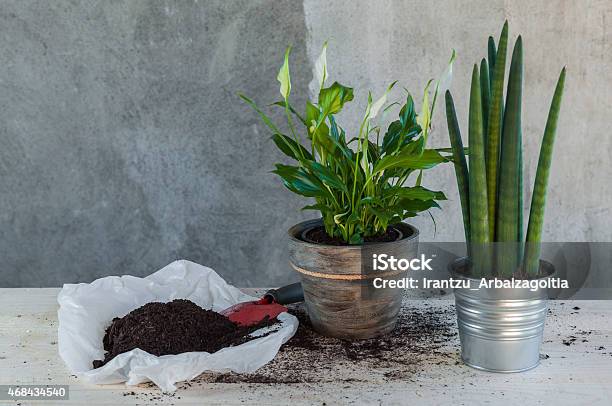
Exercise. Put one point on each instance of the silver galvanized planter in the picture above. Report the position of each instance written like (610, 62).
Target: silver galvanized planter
(500, 330)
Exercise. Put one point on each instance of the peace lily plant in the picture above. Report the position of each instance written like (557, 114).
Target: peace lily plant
(363, 186)
(359, 184)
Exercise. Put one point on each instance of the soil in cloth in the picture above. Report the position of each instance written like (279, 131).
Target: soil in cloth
(319, 235)
(173, 328)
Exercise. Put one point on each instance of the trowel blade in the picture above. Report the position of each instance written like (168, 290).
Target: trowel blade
(252, 313)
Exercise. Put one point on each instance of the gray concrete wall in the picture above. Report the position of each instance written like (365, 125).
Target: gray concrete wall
(124, 147)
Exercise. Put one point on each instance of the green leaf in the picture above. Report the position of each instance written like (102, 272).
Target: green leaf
(336, 132)
(333, 98)
(339, 140)
(479, 219)
(312, 116)
(415, 205)
(485, 96)
(283, 76)
(407, 113)
(391, 139)
(356, 239)
(326, 176)
(460, 163)
(414, 193)
(300, 182)
(404, 208)
(402, 131)
(494, 130)
(428, 159)
(492, 54)
(538, 201)
(383, 214)
(291, 148)
(321, 138)
(318, 131)
(508, 210)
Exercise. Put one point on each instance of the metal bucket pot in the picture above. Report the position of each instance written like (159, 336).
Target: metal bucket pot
(501, 329)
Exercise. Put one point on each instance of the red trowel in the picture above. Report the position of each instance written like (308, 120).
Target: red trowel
(269, 306)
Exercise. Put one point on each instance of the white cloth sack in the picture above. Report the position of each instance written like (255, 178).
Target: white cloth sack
(86, 310)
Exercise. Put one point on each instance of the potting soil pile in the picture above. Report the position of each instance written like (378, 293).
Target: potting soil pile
(173, 328)
(136, 320)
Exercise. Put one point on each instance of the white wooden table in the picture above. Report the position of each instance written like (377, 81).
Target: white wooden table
(576, 374)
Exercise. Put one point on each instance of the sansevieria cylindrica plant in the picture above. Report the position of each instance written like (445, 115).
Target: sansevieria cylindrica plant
(491, 187)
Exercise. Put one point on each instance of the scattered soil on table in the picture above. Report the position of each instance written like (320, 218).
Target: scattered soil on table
(173, 328)
(152, 398)
(319, 236)
(422, 338)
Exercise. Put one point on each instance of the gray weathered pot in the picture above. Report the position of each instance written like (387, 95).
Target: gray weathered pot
(338, 283)
(500, 330)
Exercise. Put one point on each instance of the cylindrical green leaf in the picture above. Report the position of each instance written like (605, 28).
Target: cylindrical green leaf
(479, 217)
(538, 201)
(494, 129)
(508, 210)
(492, 52)
(460, 164)
(519, 199)
(485, 97)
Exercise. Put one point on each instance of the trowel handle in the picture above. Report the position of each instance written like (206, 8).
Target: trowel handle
(287, 294)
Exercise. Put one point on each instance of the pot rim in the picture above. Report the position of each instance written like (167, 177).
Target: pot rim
(544, 264)
(308, 224)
